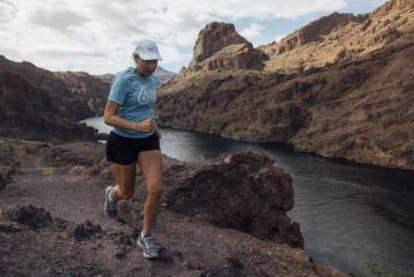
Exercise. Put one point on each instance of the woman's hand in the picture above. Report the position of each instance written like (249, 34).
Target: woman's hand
(146, 125)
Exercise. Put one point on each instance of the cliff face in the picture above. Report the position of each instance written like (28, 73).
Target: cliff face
(38, 104)
(358, 106)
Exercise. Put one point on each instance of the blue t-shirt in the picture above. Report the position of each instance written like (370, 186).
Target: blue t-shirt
(136, 96)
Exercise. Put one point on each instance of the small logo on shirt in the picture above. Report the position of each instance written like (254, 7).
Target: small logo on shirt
(146, 95)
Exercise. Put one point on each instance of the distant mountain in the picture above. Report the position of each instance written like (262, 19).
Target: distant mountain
(341, 87)
(163, 75)
(107, 78)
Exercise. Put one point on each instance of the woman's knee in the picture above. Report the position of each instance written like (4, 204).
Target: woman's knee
(154, 190)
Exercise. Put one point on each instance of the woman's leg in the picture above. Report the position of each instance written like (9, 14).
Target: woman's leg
(125, 181)
(150, 163)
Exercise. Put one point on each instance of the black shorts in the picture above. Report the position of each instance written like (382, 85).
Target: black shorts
(124, 151)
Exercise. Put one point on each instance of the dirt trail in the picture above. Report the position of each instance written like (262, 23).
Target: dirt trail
(65, 194)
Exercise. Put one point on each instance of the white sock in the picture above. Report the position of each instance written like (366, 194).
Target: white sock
(110, 196)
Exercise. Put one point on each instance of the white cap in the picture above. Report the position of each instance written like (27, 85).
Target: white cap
(147, 50)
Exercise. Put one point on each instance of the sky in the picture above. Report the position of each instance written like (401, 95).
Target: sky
(98, 36)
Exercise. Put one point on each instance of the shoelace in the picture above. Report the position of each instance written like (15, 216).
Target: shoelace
(150, 242)
(111, 203)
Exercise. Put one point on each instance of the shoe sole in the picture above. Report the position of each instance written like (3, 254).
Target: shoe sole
(107, 190)
(143, 251)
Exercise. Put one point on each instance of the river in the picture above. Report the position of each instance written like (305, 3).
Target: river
(355, 217)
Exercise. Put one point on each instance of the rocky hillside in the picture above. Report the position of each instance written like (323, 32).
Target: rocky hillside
(357, 105)
(39, 104)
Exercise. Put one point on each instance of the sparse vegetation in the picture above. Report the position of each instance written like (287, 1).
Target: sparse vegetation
(49, 170)
(200, 159)
(8, 165)
(370, 268)
(78, 169)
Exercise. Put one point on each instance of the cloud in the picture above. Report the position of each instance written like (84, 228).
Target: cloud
(254, 31)
(69, 52)
(36, 28)
(279, 37)
(12, 52)
(245, 8)
(60, 20)
(7, 10)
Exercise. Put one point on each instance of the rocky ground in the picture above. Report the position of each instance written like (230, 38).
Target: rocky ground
(52, 221)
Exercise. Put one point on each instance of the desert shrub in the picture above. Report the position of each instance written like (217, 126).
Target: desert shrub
(8, 164)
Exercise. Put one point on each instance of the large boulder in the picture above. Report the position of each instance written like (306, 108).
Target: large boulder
(245, 191)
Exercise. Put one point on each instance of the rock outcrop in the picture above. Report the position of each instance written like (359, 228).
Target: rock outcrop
(245, 191)
(219, 46)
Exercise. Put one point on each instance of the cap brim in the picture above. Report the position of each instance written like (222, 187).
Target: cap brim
(149, 56)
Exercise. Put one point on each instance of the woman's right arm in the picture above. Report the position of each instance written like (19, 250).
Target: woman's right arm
(112, 118)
